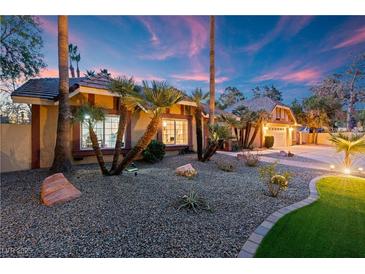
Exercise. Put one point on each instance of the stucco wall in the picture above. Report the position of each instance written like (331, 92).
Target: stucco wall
(322, 138)
(15, 147)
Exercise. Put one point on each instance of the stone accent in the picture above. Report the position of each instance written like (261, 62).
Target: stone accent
(186, 170)
(57, 189)
(249, 248)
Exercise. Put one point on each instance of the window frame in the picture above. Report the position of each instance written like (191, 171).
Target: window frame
(187, 131)
(81, 148)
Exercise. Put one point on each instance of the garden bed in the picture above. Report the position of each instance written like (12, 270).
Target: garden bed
(128, 216)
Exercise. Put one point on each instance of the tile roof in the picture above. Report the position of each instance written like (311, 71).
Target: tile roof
(256, 104)
(44, 88)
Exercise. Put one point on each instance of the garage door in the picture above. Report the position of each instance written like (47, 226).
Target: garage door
(279, 134)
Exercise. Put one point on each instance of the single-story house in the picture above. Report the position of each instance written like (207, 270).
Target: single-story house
(282, 123)
(177, 129)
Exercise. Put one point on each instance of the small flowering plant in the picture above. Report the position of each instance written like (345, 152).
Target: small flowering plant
(274, 181)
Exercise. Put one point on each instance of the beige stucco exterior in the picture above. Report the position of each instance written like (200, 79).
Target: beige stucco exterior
(15, 147)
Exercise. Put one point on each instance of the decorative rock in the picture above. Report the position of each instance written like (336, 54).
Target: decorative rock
(283, 153)
(57, 189)
(186, 170)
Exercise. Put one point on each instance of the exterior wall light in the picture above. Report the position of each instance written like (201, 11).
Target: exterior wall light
(87, 116)
(266, 128)
(164, 124)
(291, 129)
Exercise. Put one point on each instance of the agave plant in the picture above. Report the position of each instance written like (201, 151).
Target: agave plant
(192, 201)
(91, 115)
(153, 99)
(350, 145)
(198, 96)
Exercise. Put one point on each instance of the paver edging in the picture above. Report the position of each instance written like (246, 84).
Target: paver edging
(250, 247)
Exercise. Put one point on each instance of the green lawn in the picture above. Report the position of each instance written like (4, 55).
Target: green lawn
(333, 226)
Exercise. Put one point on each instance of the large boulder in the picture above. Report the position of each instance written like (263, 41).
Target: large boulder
(186, 170)
(57, 189)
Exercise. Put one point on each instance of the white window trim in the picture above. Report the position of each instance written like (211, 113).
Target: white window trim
(187, 132)
(102, 148)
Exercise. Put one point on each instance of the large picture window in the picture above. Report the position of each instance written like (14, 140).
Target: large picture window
(175, 131)
(106, 131)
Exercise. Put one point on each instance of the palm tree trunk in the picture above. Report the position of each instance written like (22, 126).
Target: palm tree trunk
(77, 70)
(199, 132)
(141, 145)
(247, 135)
(97, 150)
(62, 152)
(212, 71)
(72, 70)
(257, 127)
(347, 160)
(123, 119)
(211, 150)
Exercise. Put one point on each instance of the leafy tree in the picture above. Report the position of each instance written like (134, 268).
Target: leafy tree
(153, 99)
(256, 92)
(273, 93)
(332, 107)
(230, 96)
(198, 96)
(353, 144)
(298, 111)
(91, 115)
(62, 152)
(315, 120)
(347, 86)
(361, 117)
(21, 44)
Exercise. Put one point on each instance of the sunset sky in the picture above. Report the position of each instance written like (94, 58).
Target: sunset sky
(290, 52)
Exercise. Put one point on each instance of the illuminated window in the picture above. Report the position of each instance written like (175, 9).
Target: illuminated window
(174, 132)
(106, 131)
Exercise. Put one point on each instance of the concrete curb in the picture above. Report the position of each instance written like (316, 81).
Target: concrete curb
(249, 248)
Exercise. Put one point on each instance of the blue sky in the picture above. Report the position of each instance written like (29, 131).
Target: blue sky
(291, 52)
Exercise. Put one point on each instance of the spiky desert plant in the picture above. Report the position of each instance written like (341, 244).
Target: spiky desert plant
(91, 115)
(198, 96)
(192, 201)
(121, 86)
(350, 145)
(153, 99)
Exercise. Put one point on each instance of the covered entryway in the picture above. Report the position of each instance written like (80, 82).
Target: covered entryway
(279, 133)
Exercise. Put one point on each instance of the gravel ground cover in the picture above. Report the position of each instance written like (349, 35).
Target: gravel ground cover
(296, 158)
(136, 216)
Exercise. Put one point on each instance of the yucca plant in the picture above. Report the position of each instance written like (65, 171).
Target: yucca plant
(91, 115)
(192, 201)
(153, 99)
(350, 145)
(217, 135)
(198, 96)
(121, 86)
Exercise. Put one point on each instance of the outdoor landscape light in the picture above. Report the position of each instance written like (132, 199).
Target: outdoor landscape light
(332, 166)
(347, 171)
(361, 169)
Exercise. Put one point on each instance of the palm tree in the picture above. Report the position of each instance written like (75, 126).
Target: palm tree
(261, 117)
(232, 121)
(217, 135)
(72, 50)
(212, 71)
(153, 100)
(91, 115)
(198, 96)
(104, 73)
(122, 86)
(90, 73)
(350, 145)
(62, 152)
(77, 60)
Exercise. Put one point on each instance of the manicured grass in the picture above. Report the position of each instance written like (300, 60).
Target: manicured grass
(333, 226)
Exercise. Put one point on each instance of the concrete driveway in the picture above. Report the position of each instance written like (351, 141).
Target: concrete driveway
(320, 153)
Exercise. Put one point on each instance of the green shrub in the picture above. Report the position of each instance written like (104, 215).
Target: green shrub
(192, 201)
(154, 152)
(275, 182)
(269, 141)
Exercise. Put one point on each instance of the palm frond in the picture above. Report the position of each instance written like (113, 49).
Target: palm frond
(89, 114)
(122, 85)
(198, 96)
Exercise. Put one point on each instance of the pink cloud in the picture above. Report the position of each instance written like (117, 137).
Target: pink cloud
(199, 34)
(49, 72)
(148, 24)
(287, 26)
(356, 38)
(304, 75)
(201, 77)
